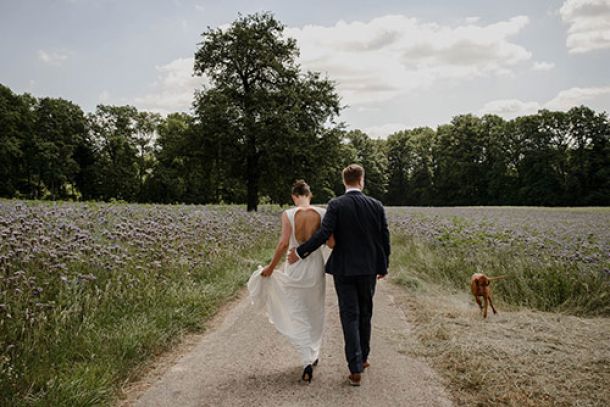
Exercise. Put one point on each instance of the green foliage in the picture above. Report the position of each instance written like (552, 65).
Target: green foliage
(261, 123)
(105, 287)
(97, 336)
(267, 117)
(170, 180)
(59, 129)
(14, 122)
(371, 155)
(146, 125)
(409, 155)
(550, 159)
(116, 168)
(544, 284)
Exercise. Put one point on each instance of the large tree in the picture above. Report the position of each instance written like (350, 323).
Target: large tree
(410, 158)
(498, 179)
(371, 155)
(15, 124)
(271, 113)
(60, 127)
(168, 181)
(113, 132)
(458, 162)
(540, 142)
(588, 158)
(146, 125)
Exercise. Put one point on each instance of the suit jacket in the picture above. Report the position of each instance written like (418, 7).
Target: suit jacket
(362, 238)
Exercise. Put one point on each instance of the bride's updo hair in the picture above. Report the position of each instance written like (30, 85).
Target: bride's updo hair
(300, 188)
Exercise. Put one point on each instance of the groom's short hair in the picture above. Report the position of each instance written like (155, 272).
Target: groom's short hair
(352, 174)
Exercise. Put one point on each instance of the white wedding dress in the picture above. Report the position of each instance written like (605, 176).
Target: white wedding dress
(293, 297)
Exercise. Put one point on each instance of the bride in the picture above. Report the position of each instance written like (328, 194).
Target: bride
(293, 295)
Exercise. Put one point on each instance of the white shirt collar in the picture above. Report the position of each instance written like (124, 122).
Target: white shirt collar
(352, 189)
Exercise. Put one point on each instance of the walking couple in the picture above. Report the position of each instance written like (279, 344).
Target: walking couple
(354, 227)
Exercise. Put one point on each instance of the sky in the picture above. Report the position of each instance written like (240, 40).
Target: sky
(396, 64)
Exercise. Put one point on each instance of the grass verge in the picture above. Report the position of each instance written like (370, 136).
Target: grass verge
(88, 349)
(543, 284)
(520, 357)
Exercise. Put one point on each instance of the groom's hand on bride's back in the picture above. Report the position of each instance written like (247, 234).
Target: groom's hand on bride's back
(293, 257)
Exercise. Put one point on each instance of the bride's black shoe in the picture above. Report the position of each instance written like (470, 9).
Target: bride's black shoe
(307, 374)
(315, 363)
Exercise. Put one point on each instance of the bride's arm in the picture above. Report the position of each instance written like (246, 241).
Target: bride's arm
(281, 247)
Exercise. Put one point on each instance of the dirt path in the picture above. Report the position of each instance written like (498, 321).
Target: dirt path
(243, 361)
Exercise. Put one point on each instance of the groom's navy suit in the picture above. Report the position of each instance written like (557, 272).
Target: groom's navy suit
(361, 252)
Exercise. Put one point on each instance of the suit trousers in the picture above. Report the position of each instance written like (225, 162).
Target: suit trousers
(355, 294)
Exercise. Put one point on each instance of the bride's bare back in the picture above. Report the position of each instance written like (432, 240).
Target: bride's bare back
(306, 223)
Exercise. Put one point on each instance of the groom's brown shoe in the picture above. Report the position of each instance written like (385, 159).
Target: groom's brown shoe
(365, 365)
(354, 379)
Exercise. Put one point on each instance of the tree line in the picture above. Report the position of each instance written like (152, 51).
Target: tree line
(262, 122)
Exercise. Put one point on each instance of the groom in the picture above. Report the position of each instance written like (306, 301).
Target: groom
(360, 256)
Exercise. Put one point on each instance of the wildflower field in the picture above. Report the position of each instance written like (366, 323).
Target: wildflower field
(555, 259)
(91, 291)
(88, 291)
(548, 345)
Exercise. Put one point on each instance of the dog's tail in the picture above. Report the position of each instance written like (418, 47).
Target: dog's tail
(497, 278)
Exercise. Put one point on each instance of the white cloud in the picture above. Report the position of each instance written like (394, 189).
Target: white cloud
(174, 88)
(543, 66)
(384, 130)
(569, 98)
(472, 20)
(510, 108)
(597, 98)
(375, 61)
(200, 8)
(589, 22)
(387, 56)
(52, 57)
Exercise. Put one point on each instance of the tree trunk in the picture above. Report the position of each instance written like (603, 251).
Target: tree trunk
(30, 189)
(142, 173)
(252, 175)
(251, 153)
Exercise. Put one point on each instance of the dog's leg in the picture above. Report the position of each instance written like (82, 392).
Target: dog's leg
(478, 300)
(485, 303)
(492, 304)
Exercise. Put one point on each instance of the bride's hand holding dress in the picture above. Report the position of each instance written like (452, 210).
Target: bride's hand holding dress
(281, 247)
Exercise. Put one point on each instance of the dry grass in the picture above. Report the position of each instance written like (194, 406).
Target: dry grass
(515, 358)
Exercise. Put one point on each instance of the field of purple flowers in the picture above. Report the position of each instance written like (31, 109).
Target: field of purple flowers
(570, 235)
(557, 259)
(88, 290)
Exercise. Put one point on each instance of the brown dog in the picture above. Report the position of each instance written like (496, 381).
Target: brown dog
(479, 285)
